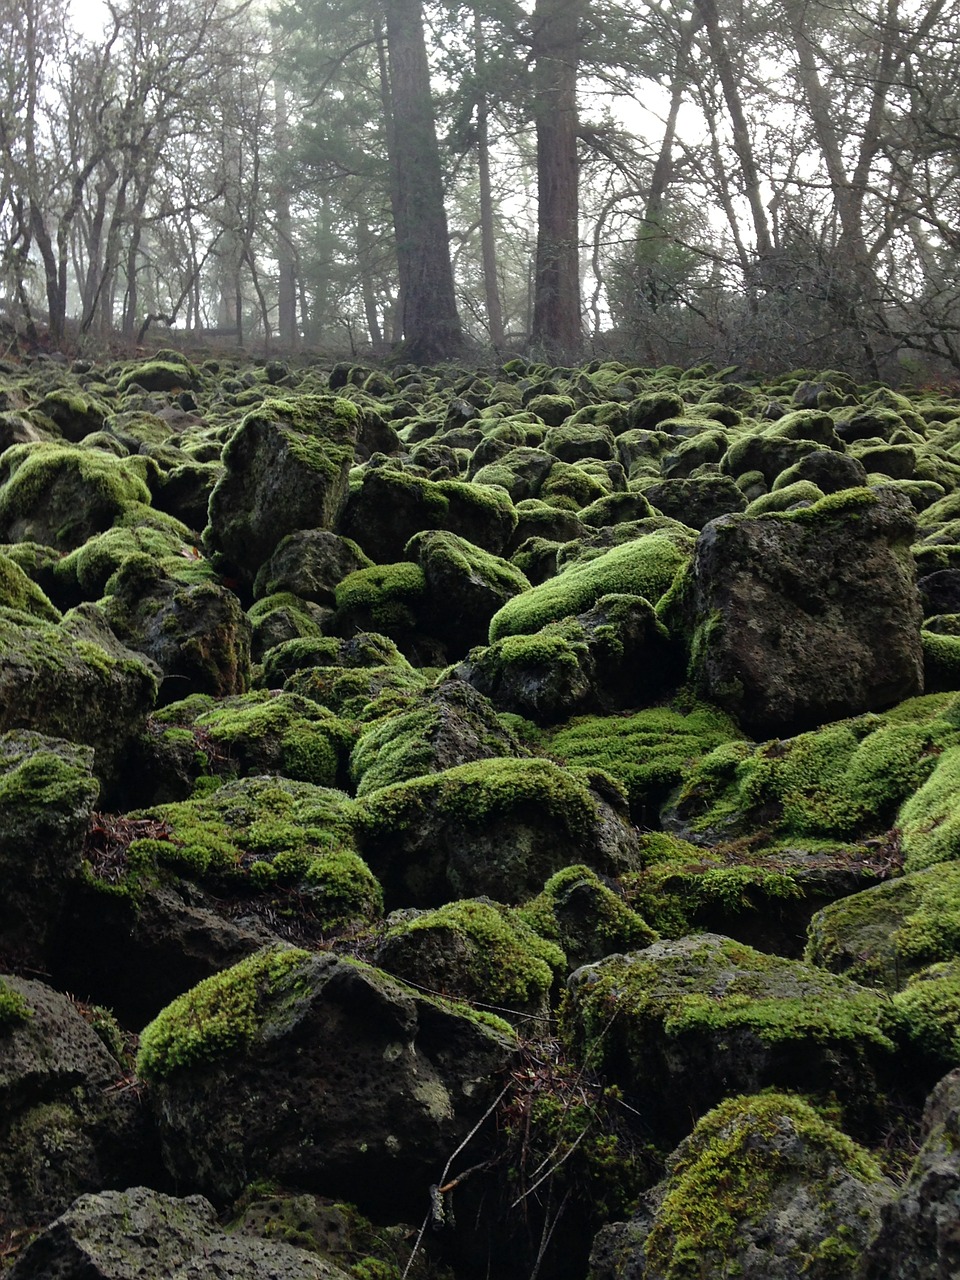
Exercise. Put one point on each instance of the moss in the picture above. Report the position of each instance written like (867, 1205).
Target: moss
(645, 567)
(929, 820)
(585, 917)
(218, 1017)
(471, 793)
(727, 1175)
(221, 837)
(883, 935)
(507, 962)
(784, 498)
(14, 1010)
(382, 595)
(649, 752)
(18, 591)
(941, 660)
(167, 371)
(844, 779)
(929, 1009)
(349, 691)
(62, 494)
(723, 990)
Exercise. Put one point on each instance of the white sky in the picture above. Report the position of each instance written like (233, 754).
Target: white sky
(88, 16)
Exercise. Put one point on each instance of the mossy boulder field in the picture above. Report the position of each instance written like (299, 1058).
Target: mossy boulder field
(478, 823)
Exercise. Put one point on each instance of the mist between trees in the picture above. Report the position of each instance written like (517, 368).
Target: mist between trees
(367, 176)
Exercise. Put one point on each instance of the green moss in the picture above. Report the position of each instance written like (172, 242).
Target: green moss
(842, 780)
(784, 498)
(507, 962)
(384, 594)
(61, 494)
(720, 988)
(929, 820)
(644, 567)
(649, 752)
(585, 917)
(883, 935)
(14, 1010)
(17, 591)
(929, 1008)
(349, 691)
(727, 1175)
(472, 793)
(218, 1017)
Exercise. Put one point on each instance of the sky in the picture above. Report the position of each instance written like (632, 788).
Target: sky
(88, 16)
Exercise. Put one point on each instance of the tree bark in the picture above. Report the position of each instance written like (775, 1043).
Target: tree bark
(557, 326)
(431, 325)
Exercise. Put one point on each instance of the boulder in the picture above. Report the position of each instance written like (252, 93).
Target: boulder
(67, 1127)
(498, 827)
(695, 500)
(392, 505)
(196, 633)
(475, 950)
(309, 563)
(612, 657)
(320, 1073)
(285, 468)
(919, 1237)
(73, 679)
(142, 1234)
(63, 494)
(449, 725)
(682, 1024)
(807, 617)
(764, 1189)
(47, 794)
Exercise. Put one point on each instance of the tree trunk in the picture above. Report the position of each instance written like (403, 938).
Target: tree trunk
(557, 327)
(488, 238)
(286, 257)
(431, 326)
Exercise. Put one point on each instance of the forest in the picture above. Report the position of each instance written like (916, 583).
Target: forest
(773, 185)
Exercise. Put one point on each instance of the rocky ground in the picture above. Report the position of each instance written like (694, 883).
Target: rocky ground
(460, 824)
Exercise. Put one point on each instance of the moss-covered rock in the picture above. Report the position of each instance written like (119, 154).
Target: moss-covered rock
(586, 917)
(309, 563)
(73, 679)
(611, 657)
(498, 827)
(683, 1024)
(446, 726)
(285, 468)
(764, 1188)
(391, 506)
(642, 567)
(196, 633)
(67, 1128)
(475, 950)
(884, 935)
(62, 495)
(805, 617)
(266, 1039)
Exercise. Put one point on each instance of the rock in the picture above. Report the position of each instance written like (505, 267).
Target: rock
(884, 935)
(375, 1124)
(919, 1237)
(644, 566)
(464, 585)
(764, 1189)
(497, 827)
(47, 793)
(449, 725)
(683, 1024)
(63, 494)
(142, 1234)
(391, 506)
(695, 500)
(586, 917)
(475, 950)
(167, 371)
(75, 680)
(285, 469)
(612, 657)
(940, 592)
(135, 948)
(67, 1127)
(196, 633)
(309, 563)
(808, 617)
